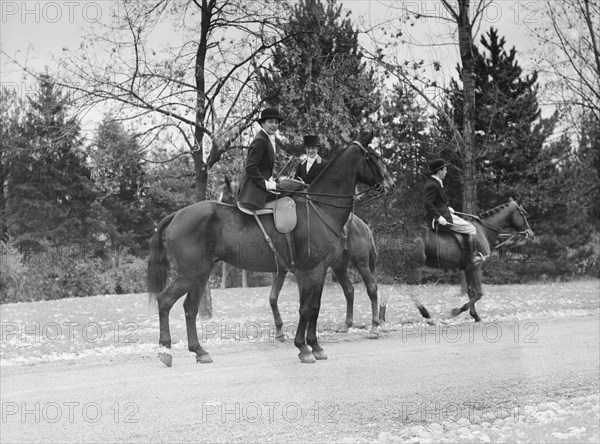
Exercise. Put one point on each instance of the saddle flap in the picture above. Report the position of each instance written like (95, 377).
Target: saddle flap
(284, 213)
(431, 236)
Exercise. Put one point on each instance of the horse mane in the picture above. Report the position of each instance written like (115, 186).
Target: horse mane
(493, 211)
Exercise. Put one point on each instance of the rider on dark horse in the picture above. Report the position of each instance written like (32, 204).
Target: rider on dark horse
(313, 164)
(439, 216)
(257, 182)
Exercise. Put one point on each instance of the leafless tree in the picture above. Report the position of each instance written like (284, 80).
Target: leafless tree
(178, 71)
(460, 18)
(569, 55)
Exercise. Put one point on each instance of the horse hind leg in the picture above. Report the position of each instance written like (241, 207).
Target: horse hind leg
(473, 277)
(278, 279)
(180, 286)
(190, 306)
(413, 279)
(340, 270)
(371, 287)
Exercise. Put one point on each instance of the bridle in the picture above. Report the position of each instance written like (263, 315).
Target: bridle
(310, 196)
(311, 201)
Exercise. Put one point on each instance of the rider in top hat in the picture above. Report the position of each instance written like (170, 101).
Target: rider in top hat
(313, 164)
(257, 182)
(439, 215)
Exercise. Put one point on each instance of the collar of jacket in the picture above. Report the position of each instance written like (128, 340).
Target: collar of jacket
(317, 159)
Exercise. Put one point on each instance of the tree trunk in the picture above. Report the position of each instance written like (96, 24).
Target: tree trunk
(200, 169)
(469, 157)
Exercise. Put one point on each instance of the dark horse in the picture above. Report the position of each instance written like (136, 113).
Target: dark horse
(360, 250)
(206, 232)
(445, 250)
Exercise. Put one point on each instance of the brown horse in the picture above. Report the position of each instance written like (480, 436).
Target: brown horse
(206, 232)
(360, 250)
(446, 250)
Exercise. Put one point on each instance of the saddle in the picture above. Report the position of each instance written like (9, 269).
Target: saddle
(285, 219)
(431, 234)
(432, 250)
(283, 211)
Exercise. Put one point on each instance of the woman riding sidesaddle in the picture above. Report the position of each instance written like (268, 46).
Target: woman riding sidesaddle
(439, 216)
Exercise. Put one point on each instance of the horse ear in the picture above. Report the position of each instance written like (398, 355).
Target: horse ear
(365, 137)
(510, 199)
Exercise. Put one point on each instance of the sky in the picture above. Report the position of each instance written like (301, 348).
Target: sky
(37, 31)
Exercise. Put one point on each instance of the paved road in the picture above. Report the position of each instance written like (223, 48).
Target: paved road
(262, 393)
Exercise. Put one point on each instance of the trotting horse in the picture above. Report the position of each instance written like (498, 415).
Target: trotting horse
(360, 250)
(445, 250)
(201, 234)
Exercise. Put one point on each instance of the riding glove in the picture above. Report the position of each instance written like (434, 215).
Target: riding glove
(270, 184)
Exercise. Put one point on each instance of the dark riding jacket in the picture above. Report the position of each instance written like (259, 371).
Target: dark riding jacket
(435, 201)
(259, 168)
(314, 171)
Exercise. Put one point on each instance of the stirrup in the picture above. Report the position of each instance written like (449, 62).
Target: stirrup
(478, 258)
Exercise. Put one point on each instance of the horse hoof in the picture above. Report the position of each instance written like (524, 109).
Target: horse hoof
(280, 337)
(166, 358)
(319, 355)
(307, 358)
(372, 335)
(455, 312)
(203, 359)
(431, 321)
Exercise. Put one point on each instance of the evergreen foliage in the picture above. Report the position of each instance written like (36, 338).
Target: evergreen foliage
(510, 132)
(120, 182)
(48, 186)
(317, 76)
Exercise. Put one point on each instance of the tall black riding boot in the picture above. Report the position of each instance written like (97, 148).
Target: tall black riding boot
(475, 257)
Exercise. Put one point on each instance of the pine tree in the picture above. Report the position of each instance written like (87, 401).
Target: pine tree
(402, 131)
(49, 189)
(509, 129)
(317, 77)
(120, 182)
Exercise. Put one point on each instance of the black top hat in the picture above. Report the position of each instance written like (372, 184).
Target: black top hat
(437, 164)
(311, 141)
(269, 113)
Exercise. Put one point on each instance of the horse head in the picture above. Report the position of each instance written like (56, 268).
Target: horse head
(372, 171)
(518, 219)
(226, 190)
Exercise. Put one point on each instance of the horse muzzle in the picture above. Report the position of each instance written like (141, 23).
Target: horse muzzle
(386, 187)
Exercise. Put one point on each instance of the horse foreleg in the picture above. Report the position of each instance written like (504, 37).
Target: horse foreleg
(180, 286)
(473, 277)
(315, 305)
(278, 279)
(190, 307)
(307, 285)
(341, 273)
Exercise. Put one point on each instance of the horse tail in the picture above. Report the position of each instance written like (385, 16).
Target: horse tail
(158, 264)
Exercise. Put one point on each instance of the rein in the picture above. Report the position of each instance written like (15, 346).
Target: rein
(495, 228)
(310, 202)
